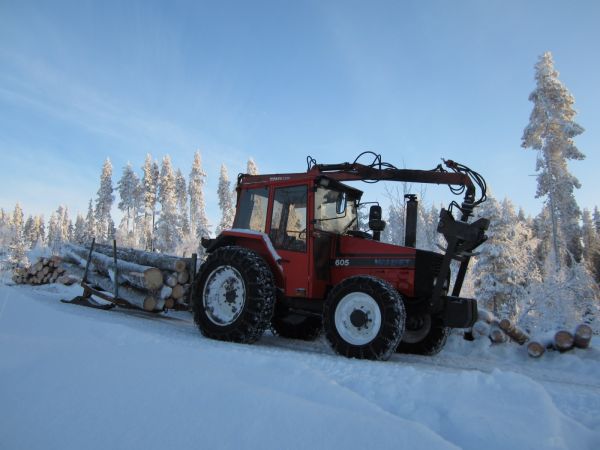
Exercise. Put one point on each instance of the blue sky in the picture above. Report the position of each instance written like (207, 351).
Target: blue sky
(279, 80)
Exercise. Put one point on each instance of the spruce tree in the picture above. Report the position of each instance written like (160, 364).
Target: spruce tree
(168, 235)
(199, 225)
(104, 201)
(225, 201)
(79, 232)
(90, 224)
(505, 266)
(591, 245)
(29, 232)
(150, 195)
(251, 167)
(550, 132)
(128, 187)
(17, 246)
(182, 203)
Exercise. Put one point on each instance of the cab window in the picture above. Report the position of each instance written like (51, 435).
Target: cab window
(252, 209)
(335, 211)
(288, 221)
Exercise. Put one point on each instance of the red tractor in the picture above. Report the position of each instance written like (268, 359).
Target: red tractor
(296, 261)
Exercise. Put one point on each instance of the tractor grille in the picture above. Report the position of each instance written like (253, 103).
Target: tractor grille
(427, 266)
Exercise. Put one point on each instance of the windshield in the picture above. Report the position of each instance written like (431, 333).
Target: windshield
(327, 215)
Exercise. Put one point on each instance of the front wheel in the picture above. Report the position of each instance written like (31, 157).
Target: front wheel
(235, 295)
(363, 317)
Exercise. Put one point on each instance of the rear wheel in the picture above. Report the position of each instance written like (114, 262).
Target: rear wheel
(235, 295)
(424, 335)
(363, 317)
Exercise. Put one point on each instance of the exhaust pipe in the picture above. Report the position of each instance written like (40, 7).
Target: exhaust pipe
(410, 233)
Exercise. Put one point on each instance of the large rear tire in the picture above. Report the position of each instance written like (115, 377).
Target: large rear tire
(234, 296)
(424, 335)
(363, 317)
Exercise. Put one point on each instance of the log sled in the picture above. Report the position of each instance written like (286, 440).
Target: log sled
(120, 280)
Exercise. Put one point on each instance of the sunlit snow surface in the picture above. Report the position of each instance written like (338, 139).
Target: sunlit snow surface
(74, 378)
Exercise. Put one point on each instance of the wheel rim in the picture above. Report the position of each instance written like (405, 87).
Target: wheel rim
(357, 318)
(224, 295)
(417, 329)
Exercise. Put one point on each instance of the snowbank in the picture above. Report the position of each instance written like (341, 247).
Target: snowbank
(73, 377)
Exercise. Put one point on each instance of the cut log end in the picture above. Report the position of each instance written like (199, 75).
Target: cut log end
(180, 265)
(497, 336)
(149, 303)
(153, 279)
(583, 336)
(535, 349)
(178, 292)
(563, 341)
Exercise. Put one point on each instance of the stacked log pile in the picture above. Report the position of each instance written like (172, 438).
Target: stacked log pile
(147, 280)
(502, 330)
(43, 271)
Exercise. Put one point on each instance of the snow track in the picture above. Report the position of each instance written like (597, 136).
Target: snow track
(132, 379)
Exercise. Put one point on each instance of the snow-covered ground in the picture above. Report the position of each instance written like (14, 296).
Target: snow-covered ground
(74, 378)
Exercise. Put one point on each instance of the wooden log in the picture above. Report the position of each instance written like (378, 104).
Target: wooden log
(178, 292)
(67, 280)
(512, 331)
(180, 265)
(134, 296)
(129, 273)
(535, 349)
(171, 281)
(497, 336)
(165, 292)
(151, 279)
(582, 336)
(183, 277)
(149, 303)
(170, 303)
(45, 270)
(159, 260)
(563, 341)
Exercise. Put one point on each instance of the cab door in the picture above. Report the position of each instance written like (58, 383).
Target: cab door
(288, 233)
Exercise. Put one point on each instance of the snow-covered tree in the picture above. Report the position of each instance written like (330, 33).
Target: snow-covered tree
(199, 225)
(182, 203)
(128, 187)
(90, 224)
(550, 131)
(104, 201)
(168, 236)
(505, 265)
(33, 232)
(150, 187)
(79, 232)
(225, 201)
(591, 244)
(54, 232)
(251, 167)
(17, 246)
(29, 232)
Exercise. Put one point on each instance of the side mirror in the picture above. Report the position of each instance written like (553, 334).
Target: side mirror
(340, 203)
(375, 222)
